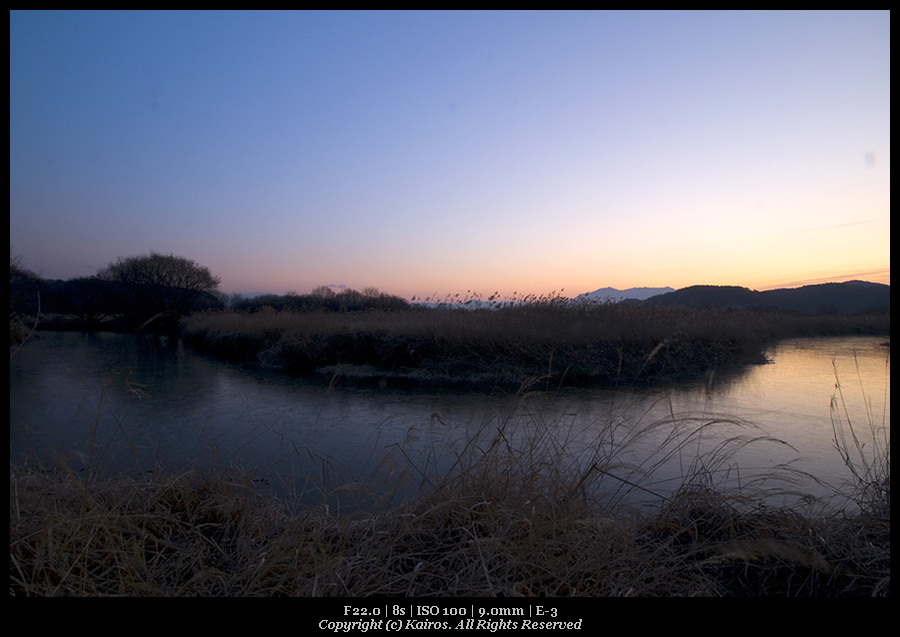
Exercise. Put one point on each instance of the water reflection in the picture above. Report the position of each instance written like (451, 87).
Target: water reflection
(128, 404)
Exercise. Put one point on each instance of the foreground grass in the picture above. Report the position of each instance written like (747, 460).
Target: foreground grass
(201, 534)
(602, 345)
(516, 513)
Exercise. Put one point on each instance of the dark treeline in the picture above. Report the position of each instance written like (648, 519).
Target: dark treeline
(147, 292)
(153, 293)
(91, 303)
(323, 298)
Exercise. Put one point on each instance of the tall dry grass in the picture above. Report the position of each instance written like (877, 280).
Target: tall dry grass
(865, 447)
(588, 345)
(520, 506)
(505, 343)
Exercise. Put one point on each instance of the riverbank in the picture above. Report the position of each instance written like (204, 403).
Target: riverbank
(498, 526)
(588, 345)
(519, 511)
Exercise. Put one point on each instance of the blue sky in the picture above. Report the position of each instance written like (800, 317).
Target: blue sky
(440, 152)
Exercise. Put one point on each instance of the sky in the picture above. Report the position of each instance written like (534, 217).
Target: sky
(435, 153)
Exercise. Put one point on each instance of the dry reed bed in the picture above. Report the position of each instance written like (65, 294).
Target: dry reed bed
(594, 345)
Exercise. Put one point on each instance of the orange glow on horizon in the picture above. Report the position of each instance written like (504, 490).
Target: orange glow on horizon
(445, 289)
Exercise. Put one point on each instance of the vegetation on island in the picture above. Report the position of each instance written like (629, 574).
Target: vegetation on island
(373, 337)
(575, 344)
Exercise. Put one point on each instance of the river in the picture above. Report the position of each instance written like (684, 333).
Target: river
(115, 403)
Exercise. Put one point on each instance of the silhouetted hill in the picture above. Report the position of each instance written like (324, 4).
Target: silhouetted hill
(845, 298)
(842, 298)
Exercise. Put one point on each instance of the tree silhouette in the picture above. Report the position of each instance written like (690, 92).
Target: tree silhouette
(162, 286)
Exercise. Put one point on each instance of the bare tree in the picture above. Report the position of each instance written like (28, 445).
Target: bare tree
(162, 285)
(161, 270)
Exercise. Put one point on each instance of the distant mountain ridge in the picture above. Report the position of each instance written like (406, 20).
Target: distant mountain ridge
(613, 294)
(843, 298)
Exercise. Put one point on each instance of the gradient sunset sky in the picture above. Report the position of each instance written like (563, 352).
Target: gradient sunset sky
(440, 152)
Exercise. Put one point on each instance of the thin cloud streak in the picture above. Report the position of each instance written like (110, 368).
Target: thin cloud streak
(873, 276)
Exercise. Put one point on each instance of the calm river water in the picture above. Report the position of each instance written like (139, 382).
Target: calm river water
(122, 403)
